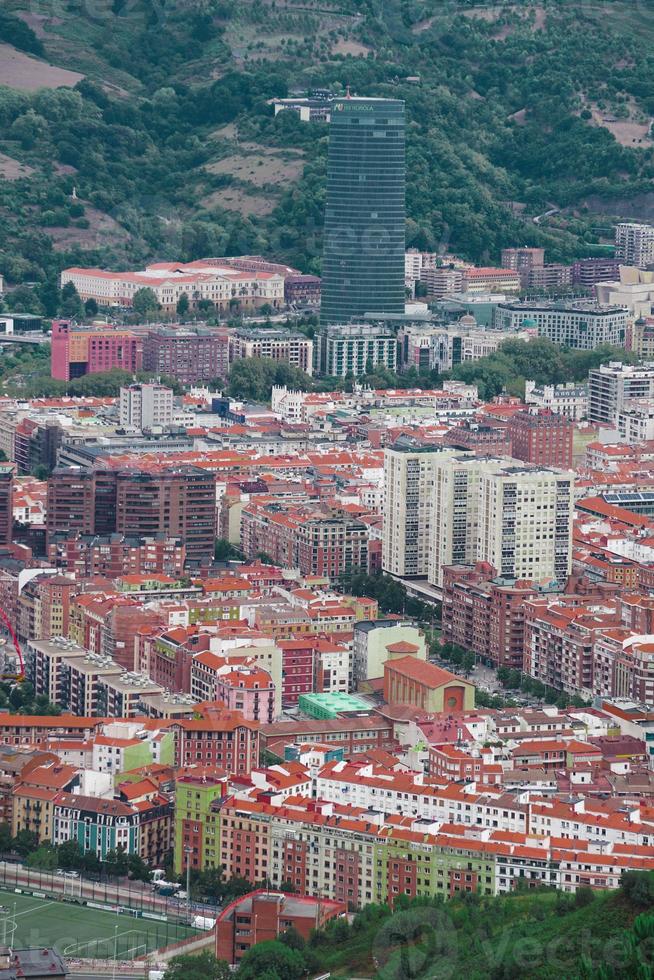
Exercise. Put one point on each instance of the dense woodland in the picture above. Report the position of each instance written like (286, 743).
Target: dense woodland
(542, 933)
(500, 126)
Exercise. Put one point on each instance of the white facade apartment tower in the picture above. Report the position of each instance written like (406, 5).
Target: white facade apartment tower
(409, 509)
(144, 406)
(517, 518)
(634, 244)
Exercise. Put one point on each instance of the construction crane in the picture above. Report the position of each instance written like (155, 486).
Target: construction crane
(17, 672)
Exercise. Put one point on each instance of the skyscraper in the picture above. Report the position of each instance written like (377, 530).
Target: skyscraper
(363, 259)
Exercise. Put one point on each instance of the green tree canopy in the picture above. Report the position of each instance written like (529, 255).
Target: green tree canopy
(145, 301)
(200, 966)
(273, 956)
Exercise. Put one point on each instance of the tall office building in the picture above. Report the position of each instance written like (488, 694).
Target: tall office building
(409, 507)
(518, 518)
(363, 259)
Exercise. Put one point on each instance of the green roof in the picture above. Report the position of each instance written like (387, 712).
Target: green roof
(330, 705)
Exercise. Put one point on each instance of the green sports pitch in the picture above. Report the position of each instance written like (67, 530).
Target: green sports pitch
(80, 932)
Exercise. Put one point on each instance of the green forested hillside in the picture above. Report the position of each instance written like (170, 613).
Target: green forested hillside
(542, 934)
(164, 133)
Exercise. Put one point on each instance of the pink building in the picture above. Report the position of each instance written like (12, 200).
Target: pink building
(59, 359)
(77, 351)
(238, 682)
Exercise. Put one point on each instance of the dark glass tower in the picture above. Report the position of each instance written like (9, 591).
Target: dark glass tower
(363, 257)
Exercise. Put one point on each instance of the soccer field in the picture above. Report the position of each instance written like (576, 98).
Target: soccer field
(78, 931)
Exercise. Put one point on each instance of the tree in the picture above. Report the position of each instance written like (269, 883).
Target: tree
(202, 966)
(71, 304)
(253, 378)
(25, 842)
(116, 863)
(44, 857)
(182, 304)
(6, 839)
(145, 301)
(638, 887)
(91, 863)
(224, 550)
(138, 869)
(467, 662)
(271, 955)
(292, 938)
(91, 307)
(70, 855)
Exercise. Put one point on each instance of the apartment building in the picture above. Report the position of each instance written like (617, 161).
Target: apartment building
(635, 422)
(552, 276)
(220, 738)
(115, 555)
(77, 351)
(634, 244)
(542, 437)
(237, 682)
(523, 260)
(559, 638)
(569, 400)
(262, 916)
(485, 614)
(441, 280)
(588, 272)
(98, 825)
(516, 518)
(354, 348)
(623, 666)
(6, 505)
(614, 384)
(143, 406)
(177, 501)
(332, 547)
(192, 355)
(277, 345)
(580, 326)
(409, 502)
(197, 841)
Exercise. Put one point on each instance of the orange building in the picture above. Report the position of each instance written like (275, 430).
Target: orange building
(425, 686)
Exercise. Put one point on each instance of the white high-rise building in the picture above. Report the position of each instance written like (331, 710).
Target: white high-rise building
(409, 508)
(516, 517)
(145, 406)
(614, 384)
(634, 244)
